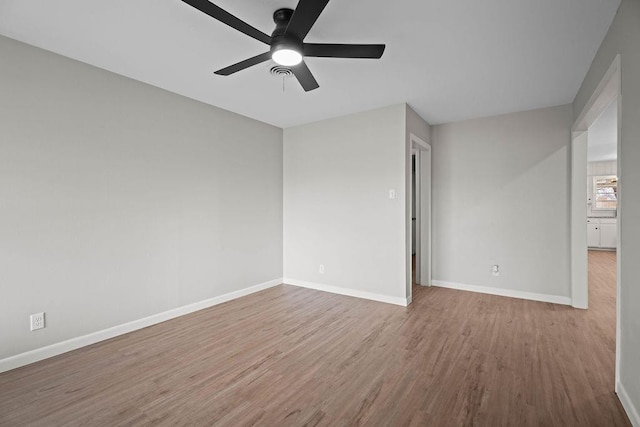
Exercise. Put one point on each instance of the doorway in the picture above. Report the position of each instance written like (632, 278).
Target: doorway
(593, 225)
(420, 211)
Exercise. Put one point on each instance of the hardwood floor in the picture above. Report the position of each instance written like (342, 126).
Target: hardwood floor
(293, 356)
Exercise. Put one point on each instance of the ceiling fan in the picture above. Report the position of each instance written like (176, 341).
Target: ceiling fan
(287, 47)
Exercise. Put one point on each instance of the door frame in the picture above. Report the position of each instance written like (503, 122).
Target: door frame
(415, 181)
(608, 90)
(417, 146)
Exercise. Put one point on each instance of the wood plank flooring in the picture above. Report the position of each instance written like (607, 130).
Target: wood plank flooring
(293, 356)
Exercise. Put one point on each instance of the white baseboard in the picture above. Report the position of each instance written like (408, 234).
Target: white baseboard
(347, 291)
(627, 404)
(555, 299)
(92, 338)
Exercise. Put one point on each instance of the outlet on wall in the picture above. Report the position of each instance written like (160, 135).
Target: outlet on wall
(37, 321)
(321, 269)
(495, 270)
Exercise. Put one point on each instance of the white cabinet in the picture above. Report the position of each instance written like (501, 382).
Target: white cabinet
(608, 233)
(602, 233)
(593, 234)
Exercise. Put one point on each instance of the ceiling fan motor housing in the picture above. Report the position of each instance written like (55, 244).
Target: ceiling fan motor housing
(281, 17)
(278, 38)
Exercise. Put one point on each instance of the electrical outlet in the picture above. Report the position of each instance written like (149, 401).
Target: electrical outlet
(321, 269)
(495, 270)
(37, 321)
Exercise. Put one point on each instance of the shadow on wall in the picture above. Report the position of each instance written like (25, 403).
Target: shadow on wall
(501, 191)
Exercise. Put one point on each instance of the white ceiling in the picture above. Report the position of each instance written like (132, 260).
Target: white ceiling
(449, 60)
(603, 135)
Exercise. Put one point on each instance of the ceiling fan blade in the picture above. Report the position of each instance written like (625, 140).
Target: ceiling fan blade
(305, 15)
(304, 76)
(244, 64)
(225, 17)
(372, 51)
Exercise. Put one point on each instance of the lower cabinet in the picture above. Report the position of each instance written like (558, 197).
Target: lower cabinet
(602, 233)
(593, 234)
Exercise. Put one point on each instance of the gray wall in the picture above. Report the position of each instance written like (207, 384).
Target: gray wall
(500, 192)
(337, 212)
(624, 38)
(119, 200)
(416, 125)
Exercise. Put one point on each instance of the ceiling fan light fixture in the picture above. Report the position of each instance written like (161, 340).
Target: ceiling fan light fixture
(287, 57)
(286, 43)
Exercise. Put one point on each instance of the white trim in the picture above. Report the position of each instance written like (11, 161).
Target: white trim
(423, 144)
(619, 216)
(38, 354)
(347, 291)
(555, 299)
(627, 404)
(578, 226)
(429, 222)
(417, 144)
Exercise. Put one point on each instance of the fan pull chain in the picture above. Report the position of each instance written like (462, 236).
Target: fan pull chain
(283, 83)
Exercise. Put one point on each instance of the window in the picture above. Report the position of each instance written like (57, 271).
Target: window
(605, 193)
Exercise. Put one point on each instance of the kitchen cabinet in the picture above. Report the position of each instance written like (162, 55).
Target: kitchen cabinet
(593, 234)
(602, 233)
(608, 233)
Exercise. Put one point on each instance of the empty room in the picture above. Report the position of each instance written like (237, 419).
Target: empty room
(314, 212)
